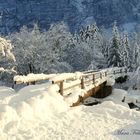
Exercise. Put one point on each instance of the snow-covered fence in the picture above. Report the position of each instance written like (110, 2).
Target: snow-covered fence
(62, 78)
(68, 81)
(87, 78)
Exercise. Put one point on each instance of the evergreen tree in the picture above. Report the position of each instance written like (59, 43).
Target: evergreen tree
(114, 58)
(125, 46)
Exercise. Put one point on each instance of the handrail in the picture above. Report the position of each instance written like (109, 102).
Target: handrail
(86, 78)
(83, 77)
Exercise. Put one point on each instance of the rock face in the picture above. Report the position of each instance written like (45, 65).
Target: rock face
(16, 13)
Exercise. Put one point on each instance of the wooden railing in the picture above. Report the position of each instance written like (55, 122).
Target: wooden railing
(94, 78)
(91, 77)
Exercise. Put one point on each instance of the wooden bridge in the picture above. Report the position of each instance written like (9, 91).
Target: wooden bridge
(88, 83)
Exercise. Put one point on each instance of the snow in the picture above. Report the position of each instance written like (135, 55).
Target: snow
(110, 82)
(5, 49)
(116, 96)
(67, 76)
(38, 112)
(52, 77)
(19, 112)
(133, 96)
(1, 69)
(7, 70)
(73, 80)
(71, 83)
(135, 78)
(74, 93)
(32, 77)
(74, 96)
(5, 94)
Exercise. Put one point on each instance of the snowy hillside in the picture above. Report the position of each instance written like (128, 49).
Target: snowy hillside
(15, 13)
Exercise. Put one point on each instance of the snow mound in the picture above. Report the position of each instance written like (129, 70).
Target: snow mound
(110, 82)
(30, 103)
(41, 100)
(5, 94)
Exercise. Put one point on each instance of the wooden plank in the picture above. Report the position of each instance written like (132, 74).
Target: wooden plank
(101, 75)
(82, 83)
(90, 74)
(93, 78)
(56, 82)
(61, 87)
(68, 88)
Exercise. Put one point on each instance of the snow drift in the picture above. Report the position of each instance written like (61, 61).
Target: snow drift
(36, 112)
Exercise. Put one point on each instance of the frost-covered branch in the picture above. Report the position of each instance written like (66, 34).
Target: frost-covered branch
(5, 49)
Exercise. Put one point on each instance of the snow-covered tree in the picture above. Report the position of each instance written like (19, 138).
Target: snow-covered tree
(105, 42)
(58, 38)
(29, 45)
(114, 58)
(135, 57)
(79, 56)
(38, 51)
(91, 33)
(92, 36)
(5, 49)
(7, 60)
(125, 47)
(134, 80)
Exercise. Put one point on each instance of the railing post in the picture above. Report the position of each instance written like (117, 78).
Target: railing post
(61, 88)
(93, 78)
(33, 82)
(82, 83)
(101, 75)
(114, 72)
(106, 74)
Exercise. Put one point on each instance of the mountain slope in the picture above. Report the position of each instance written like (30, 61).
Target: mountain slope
(16, 13)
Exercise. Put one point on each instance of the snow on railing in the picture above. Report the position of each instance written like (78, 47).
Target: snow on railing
(66, 76)
(31, 78)
(67, 81)
(94, 78)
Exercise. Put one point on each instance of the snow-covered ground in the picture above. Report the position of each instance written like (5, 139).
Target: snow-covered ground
(39, 113)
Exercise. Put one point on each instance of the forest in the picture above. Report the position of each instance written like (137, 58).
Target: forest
(57, 50)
